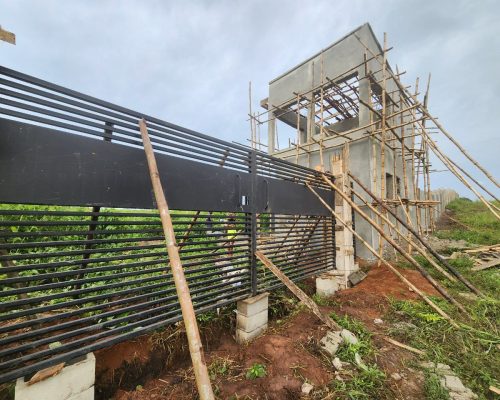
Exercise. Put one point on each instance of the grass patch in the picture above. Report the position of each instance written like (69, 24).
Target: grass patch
(369, 381)
(323, 301)
(484, 227)
(256, 371)
(433, 389)
(471, 353)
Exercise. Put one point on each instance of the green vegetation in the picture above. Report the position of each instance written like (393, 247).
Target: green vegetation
(484, 227)
(323, 301)
(433, 389)
(471, 352)
(368, 382)
(128, 260)
(221, 367)
(256, 371)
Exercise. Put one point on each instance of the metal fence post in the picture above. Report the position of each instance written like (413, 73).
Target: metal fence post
(253, 221)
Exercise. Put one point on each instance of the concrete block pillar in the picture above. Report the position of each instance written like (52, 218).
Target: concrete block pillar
(326, 285)
(74, 382)
(251, 318)
(344, 243)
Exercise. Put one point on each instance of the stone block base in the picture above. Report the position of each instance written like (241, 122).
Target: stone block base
(326, 285)
(244, 337)
(251, 319)
(74, 382)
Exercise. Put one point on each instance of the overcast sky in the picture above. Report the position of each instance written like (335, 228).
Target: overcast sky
(189, 62)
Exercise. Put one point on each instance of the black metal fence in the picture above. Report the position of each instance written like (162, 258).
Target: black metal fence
(83, 262)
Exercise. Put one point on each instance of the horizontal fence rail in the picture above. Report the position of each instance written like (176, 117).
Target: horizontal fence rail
(82, 252)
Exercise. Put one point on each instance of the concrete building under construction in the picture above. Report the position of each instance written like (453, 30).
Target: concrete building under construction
(347, 99)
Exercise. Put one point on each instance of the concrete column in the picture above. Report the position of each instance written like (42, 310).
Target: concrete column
(344, 259)
(271, 133)
(311, 126)
(251, 319)
(365, 95)
(74, 382)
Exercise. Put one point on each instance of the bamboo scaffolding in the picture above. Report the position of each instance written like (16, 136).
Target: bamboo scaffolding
(424, 110)
(441, 128)
(408, 257)
(402, 236)
(418, 237)
(389, 265)
(193, 335)
(339, 77)
(451, 165)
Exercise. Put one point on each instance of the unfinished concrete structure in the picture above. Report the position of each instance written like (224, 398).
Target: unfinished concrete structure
(348, 97)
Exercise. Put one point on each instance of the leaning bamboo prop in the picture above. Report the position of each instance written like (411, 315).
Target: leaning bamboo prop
(443, 262)
(297, 292)
(390, 266)
(424, 110)
(188, 315)
(404, 237)
(408, 257)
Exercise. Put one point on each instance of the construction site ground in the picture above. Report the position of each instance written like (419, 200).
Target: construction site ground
(288, 351)
(157, 366)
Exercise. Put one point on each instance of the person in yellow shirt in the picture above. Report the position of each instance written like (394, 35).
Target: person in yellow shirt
(231, 232)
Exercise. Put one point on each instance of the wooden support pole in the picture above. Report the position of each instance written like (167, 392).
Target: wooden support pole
(418, 237)
(427, 165)
(383, 137)
(7, 36)
(408, 257)
(193, 335)
(297, 292)
(404, 346)
(390, 266)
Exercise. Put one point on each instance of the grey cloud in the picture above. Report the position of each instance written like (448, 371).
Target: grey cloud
(190, 62)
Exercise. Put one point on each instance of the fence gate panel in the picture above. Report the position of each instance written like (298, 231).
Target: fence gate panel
(83, 258)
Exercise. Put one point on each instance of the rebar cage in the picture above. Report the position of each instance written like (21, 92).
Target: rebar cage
(83, 258)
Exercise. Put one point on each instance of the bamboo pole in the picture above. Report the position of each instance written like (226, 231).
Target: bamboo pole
(298, 131)
(321, 127)
(390, 266)
(408, 257)
(7, 36)
(382, 146)
(405, 172)
(253, 137)
(414, 174)
(297, 292)
(181, 286)
(427, 162)
(419, 238)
